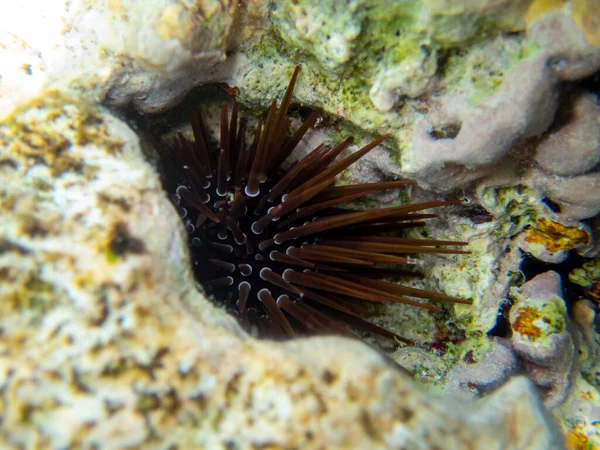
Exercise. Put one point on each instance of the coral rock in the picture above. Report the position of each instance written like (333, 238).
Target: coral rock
(541, 339)
(106, 342)
(573, 148)
(564, 44)
(411, 78)
(457, 133)
(578, 196)
(486, 375)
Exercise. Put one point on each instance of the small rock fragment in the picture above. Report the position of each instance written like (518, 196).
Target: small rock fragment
(541, 339)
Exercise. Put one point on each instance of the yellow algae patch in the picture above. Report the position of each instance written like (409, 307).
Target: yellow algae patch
(525, 323)
(540, 8)
(30, 132)
(555, 237)
(586, 14)
(175, 23)
(577, 440)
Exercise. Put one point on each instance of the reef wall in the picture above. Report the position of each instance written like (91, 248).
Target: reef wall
(105, 340)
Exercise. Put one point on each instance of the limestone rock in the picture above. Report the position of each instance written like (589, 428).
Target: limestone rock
(147, 53)
(476, 378)
(574, 148)
(565, 43)
(474, 137)
(411, 78)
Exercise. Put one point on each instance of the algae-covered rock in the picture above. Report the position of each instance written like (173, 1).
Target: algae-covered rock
(588, 277)
(107, 342)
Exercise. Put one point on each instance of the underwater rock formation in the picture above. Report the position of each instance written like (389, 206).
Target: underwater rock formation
(541, 339)
(103, 327)
(107, 344)
(574, 148)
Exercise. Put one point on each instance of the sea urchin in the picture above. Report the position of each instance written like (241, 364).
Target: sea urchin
(276, 246)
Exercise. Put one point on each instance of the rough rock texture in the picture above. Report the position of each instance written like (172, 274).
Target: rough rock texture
(573, 148)
(479, 376)
(559, 354)
(551, 241)
(588, 277)
(107, 344)
(540, 336)
(102, 327)
(457, 133)
(578, 196)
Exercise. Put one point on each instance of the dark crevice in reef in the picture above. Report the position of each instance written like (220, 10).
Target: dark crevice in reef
(163, 122)
(554, 207)
(446, 131)
(572, 292)
(591, 83)
(502, 328)
(530, 268)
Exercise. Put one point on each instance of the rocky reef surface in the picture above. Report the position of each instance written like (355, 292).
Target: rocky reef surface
(107, 343)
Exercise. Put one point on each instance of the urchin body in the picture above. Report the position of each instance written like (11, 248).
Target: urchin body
(277, 246)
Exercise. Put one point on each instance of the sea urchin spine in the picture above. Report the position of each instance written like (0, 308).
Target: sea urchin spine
(276, 245)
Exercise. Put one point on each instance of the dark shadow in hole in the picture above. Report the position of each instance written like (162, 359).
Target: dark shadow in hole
(445, 131)
(532, 267)
(554, 207)
(502, 328)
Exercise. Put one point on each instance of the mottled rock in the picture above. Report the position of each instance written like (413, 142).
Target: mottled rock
(551, 241)
(573, 148)
(106, 342)
(564, 43)
(478, 375)
(477, 136)
(410, 78)
(459, 142)
(588, 277)
(453, 21)
(328, 29)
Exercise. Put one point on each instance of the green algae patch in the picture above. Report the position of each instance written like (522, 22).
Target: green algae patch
(588, 277)
(536, 321)
(354, 57)
(514, 208)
